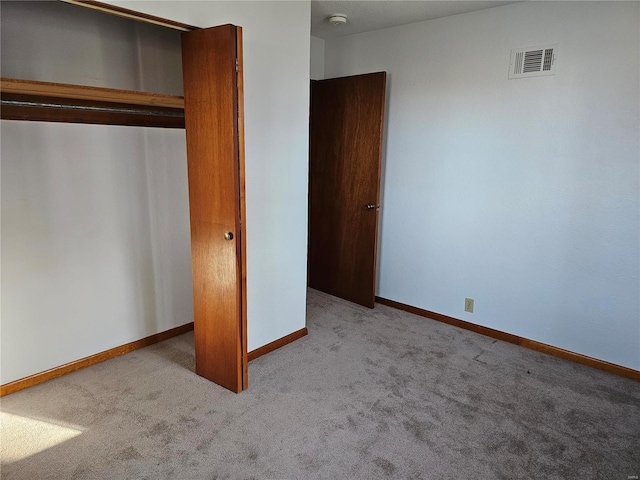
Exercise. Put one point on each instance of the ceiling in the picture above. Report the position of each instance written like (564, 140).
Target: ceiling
(367, 15)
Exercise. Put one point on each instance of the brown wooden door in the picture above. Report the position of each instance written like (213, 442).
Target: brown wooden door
(344, 184)
(211, 63)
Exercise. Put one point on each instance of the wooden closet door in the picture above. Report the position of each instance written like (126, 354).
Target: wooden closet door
(211, 63)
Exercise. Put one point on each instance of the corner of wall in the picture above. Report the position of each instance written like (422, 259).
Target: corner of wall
(317, 58)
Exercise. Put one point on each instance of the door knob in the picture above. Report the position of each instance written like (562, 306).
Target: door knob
(228, 236)
(369, 206)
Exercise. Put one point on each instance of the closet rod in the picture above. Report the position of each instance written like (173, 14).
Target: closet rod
(33, 100)
(93, 108)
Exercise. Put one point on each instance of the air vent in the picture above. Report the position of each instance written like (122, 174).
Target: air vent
(533, 61)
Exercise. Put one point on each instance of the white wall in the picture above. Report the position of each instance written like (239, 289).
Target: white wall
(276, 95)
(317, 58)
(521, 194)
(95, 219)
(95, 240)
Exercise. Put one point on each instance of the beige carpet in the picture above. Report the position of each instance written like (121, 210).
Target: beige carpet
(367, 395)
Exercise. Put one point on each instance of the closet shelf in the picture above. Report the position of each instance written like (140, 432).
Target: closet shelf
(81, 92)
(59, 102)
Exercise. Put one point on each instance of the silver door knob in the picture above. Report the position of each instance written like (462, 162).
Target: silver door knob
(228, 236)
(369, 206)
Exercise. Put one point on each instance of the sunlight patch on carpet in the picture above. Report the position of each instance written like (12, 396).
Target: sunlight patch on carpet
(21, 437)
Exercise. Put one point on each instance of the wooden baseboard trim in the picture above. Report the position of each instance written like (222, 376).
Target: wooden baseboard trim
(515, 339)
(489, 332)
(56, 372)
(276, 344)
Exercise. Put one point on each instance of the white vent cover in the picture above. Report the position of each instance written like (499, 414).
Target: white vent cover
(533, 61)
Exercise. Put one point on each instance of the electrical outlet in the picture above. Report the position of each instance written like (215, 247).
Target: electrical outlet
(468, 305)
